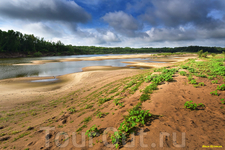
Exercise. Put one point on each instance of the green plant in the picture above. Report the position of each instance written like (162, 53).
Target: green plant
(214, 93)
(144, 97)
(196, 86)
(93, 131)
(184, 67)
(201, 84)
(214, 81)
(88, 106)
(221, 88)
(193, 81)
(222, 101)
(210, 77)
(183, 73)
(103, 100)
(71, 110)
(192, 106)
(37, 54)
(200, 53)
(81, 128)
(86, 120)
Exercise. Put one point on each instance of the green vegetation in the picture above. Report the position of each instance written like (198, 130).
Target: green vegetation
(136, 117)
(192, 106)
(21, 136)
(103, 100)
(222, 101)
(221, 88)
(92, 132)
(201, 84)
(71, 110)
(86, 120)
(144, 97)
(214, 81)
(12, 42)
(214, 93)
(81, 128)
(183, 73)
(193, 81)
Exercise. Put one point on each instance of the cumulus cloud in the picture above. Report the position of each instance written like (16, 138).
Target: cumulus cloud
(173, 13)
(123, 23)
(42, 10)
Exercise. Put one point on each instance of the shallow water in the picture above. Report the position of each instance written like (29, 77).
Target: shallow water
(8, 70)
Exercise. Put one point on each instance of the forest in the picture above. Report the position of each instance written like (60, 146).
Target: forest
(16, 44)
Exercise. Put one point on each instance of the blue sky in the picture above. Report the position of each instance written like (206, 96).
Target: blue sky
(119, 23)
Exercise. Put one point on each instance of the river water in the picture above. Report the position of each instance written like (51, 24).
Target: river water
(8, 70)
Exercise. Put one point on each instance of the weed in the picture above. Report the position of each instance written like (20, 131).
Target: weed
(184, 67)
(210, 77)
(144, 97)
(183, 73)
(92, 132)
(222, 101)
(201, 84)
(101, 115)
(192, 106)
(86, 120)
(103, 100)
(214, 93)
(60, 126)
(221, 88)
(214, 81)
(196, 86)
(71, 110)
(21, 136)
(88, 106)
(193, 81)
(81, 128)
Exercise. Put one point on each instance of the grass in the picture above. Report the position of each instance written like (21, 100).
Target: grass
(214, 93)
(86, 120)
(81, 128)
(192, 106)
(71, 109)
(183, 73)
(92, 132)
(136, 117)
(221, 88)
(21, 136)
(201, 84)
(144, 97)
(222, 101)
(214, 81)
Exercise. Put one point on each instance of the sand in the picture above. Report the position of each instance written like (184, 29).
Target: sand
(18, 95)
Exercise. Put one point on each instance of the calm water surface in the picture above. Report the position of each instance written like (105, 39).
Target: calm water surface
(7, 70)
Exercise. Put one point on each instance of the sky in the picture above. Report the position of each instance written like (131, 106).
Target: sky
(118, 23)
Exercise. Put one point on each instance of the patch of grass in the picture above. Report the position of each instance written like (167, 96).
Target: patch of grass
(183, 73)
(16, 132)
(221, 88)
(103, 100)
(101, 115)
(71, 110)
(214, 93)
(144, 97)
(136, 117)
(214, 81)
(81, 128)
(210, 77)
(196, 86)
(88, 106)
(201, 84)
(60, 126)
(21, 136)
(193, 81)
(222, 101)
(86, 120)
(92, 132)
(117, 102)
(192, 106)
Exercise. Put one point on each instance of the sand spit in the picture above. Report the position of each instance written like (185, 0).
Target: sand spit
(39, 62)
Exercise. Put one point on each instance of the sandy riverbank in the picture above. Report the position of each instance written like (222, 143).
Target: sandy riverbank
(26, 106)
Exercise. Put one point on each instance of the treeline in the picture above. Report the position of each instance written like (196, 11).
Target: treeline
(14, 43)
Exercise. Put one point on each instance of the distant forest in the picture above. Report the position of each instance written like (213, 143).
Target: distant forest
(16, 44)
